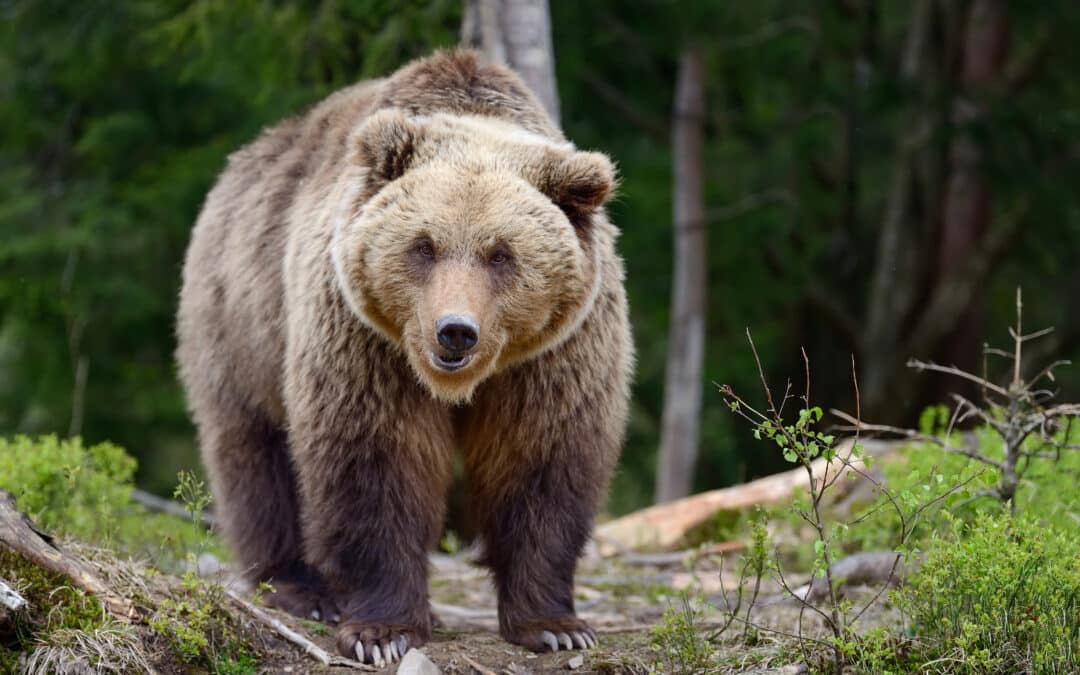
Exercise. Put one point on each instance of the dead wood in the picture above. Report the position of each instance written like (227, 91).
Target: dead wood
(310, 648)
(681, 557)
(664, 525)
(18, 533)
(868, 568)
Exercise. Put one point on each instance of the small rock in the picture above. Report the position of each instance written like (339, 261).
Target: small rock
(207, 565)
(576, 662)
(416, 662)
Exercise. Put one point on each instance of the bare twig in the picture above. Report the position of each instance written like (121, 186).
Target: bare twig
(953, 370)
(310, 648)
(476, 666)
(913, 435)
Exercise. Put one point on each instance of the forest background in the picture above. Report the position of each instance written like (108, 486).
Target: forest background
(878, 178)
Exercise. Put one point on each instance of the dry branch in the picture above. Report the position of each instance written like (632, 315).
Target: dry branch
(476, 666)
(664, 525)
(310, 648)
(19, 534)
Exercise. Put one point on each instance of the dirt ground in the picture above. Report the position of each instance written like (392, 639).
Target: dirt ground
(622, 602)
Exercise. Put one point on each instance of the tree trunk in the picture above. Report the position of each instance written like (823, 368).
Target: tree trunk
(516, 33)
(686, 343)
(967, 208)
(899, 268)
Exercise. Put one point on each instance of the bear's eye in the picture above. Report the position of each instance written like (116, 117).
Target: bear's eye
(426, 249)
(498, 257)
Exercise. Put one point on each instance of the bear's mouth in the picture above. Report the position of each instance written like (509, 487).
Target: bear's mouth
(450, 363)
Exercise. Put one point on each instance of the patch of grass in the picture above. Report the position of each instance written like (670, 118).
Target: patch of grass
(111, 647)
(315, 627)
(679, 643)
(244, 664)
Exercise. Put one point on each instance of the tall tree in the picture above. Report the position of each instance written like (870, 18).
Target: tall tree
(684, 377)
(516, 33)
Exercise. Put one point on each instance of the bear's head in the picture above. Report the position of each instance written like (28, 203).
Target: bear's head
(469, 242)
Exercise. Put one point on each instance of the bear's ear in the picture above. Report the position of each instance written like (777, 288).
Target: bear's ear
(578, 183)
(386, 144)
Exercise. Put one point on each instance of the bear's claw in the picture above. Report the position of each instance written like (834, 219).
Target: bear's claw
(389, 652)
(379, 645)
(553, 635)
(577, 639)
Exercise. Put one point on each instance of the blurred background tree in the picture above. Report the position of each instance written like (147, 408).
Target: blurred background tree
(878, 178)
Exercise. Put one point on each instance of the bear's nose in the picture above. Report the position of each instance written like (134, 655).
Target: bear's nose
(457, 332)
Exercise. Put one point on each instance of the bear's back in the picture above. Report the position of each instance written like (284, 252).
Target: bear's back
(231, 317)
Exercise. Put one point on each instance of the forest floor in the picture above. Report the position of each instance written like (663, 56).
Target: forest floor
(624, 603)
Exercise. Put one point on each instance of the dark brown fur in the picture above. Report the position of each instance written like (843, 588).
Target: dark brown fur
(328, 457)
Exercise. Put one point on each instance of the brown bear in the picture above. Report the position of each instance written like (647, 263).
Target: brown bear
(417, 266)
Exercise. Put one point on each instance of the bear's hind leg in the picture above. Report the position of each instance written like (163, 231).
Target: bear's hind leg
(254, 485)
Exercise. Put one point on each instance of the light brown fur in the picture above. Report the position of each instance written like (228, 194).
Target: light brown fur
(307, 343)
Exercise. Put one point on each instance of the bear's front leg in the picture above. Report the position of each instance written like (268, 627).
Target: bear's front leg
(533, 535)
(540, 445)
(373, 456)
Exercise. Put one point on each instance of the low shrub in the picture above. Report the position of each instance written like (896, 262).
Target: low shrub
(997, 595)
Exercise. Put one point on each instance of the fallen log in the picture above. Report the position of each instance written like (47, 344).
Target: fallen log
(868, 568)
(664, 525)
(18, 533)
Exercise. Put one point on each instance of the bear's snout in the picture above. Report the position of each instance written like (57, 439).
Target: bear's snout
(457, 333)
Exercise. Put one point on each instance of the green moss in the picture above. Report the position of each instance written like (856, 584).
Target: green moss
(53, 603)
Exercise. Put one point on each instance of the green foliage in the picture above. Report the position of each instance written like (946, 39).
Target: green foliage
(85, 492)
(1048, 493)
(998, 595)
(680, 644)
(66, 487)
(198, 628)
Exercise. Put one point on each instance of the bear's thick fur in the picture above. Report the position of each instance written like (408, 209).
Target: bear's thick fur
(417, 266)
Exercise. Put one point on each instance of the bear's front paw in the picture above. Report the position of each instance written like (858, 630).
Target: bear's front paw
(377, 643)
(305, 600)
(566, 632)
